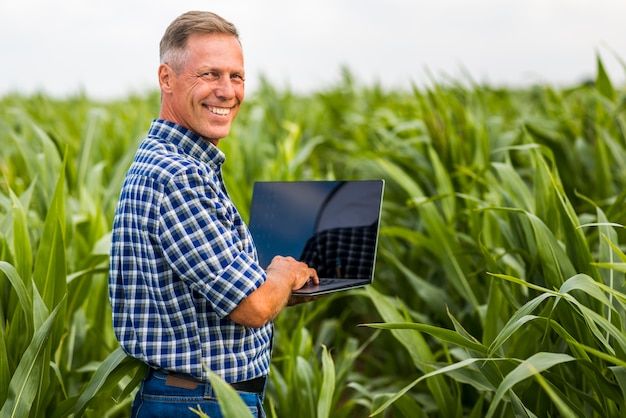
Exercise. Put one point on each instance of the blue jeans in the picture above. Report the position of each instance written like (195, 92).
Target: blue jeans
(156, 399)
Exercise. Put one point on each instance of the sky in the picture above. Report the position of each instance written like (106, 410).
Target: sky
(109, 49)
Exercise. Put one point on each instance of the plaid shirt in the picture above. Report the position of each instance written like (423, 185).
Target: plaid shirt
(181, 260)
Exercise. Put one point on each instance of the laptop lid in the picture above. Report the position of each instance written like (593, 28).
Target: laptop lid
(331, 225)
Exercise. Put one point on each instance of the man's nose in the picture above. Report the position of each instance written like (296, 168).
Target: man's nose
(225, 88)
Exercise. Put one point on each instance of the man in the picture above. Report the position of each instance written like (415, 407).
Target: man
(186, 288)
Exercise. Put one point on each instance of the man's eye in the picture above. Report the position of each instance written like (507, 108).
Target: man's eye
(237, 77)
(211, 75)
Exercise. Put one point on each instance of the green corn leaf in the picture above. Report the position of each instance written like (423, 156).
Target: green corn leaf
(530, 367)
(519, 318)
(441, 333)
(603, 82)
(50, 271)
(26, 380)
(475, 375)
(519, 409)
(107, 375)
(5, 372)
(620, 377)
(435, 297)
(620, 267)
(608, 251)
(231, 404)
(585, 284)
(556, 264)
(444, 185)
(444, 370)
(304, 380)
(513, 187)
(327, 390)
(444, 241)
(21, 240)
(605, 332)
(416, 345)
(280, 385)
(87, 150)
(24, 297)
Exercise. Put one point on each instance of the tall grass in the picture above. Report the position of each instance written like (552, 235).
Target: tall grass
(499, 288)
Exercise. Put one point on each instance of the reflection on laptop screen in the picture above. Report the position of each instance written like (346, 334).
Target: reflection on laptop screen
(330, 225)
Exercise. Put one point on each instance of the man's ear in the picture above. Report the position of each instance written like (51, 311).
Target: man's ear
(166, 75)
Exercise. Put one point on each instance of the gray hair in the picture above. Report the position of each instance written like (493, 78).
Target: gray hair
(172, 49)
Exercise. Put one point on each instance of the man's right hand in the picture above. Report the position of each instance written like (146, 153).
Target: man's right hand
(288, 268)
(284, 274)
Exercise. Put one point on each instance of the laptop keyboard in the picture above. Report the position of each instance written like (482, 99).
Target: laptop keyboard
(325, 281)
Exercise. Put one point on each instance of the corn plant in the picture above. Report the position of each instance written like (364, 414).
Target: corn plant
(499, 286)
(545, 265)
(53, 297)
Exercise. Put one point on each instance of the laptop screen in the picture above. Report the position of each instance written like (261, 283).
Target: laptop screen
(330, 225)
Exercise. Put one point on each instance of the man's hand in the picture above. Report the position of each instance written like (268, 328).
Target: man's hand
(300, 270)
(284, 274)
(288, 268)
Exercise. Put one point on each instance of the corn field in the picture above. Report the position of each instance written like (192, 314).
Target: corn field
(500, 283)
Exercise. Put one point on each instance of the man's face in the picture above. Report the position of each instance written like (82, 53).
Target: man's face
(206, 95)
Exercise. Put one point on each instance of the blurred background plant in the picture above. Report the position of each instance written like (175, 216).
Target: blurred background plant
(499, 287)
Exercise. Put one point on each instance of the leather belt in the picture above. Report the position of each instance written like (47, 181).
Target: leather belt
(256, 385)
(187, 381)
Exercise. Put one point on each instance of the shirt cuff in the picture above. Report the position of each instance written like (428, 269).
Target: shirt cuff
(235, 282)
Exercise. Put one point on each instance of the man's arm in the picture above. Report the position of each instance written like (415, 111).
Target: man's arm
(284, 274)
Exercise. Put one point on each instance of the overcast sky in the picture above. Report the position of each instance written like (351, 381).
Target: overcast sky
(109, 48)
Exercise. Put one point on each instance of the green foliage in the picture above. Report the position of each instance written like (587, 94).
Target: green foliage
(500, 284)
(231, 404)
(57, 345)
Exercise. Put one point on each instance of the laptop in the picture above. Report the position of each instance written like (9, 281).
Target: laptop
(332, 226)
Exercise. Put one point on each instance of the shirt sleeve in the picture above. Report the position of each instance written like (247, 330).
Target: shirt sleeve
(206, 243)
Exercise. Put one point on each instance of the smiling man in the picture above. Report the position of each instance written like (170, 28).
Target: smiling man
(203, 84)
(185, 284)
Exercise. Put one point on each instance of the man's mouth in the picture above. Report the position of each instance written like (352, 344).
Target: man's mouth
(223, 111)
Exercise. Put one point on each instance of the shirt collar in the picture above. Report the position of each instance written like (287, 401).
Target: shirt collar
(188, 141)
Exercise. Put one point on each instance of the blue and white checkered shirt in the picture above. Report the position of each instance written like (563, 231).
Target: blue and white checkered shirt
(181, 260)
